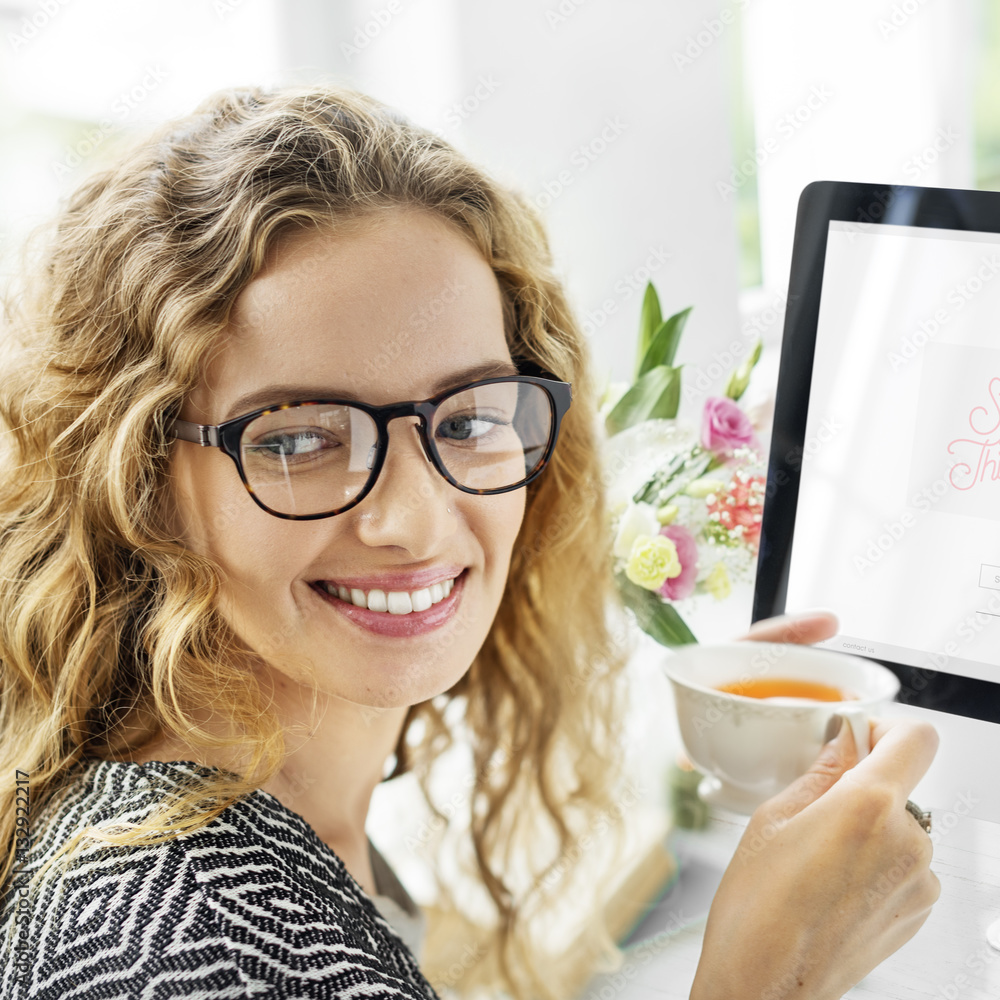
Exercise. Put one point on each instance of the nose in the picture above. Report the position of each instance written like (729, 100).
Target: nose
(420, 438)
(408, 504)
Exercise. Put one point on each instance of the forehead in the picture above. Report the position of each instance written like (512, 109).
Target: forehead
(381, 311)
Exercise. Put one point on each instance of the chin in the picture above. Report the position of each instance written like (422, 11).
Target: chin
(402, 692)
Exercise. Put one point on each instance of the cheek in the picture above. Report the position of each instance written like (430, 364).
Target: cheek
(212, 514)
(501, 524)
(204, 497)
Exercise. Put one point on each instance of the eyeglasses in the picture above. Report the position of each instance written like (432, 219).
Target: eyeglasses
(309, 459)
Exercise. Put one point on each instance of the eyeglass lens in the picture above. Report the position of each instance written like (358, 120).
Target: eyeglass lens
(314, 458)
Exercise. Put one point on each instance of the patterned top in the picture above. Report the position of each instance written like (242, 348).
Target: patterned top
(252, 905)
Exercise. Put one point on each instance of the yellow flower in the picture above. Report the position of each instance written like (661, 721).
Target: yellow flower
(701, 488)
(718, 583)
(637, 519)
(653, 560)
(666, 514)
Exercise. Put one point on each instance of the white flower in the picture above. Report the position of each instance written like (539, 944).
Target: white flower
(609, 399)
(637, 519)
(631, 457)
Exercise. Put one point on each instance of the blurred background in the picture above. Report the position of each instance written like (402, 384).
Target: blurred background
(663, 141)
(660, 141)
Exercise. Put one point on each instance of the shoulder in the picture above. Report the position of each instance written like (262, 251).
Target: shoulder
(251, 904)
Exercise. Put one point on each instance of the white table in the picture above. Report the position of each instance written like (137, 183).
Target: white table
(948, 957)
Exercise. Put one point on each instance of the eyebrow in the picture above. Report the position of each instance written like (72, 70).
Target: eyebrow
(275, 394)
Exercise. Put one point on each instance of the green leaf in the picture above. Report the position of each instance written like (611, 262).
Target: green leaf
(740, 379)
(656, 394)
(663, 345)
(650, 320)
(654, 617)
(675, 476)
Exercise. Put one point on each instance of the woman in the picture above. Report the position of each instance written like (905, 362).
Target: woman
(241, 583)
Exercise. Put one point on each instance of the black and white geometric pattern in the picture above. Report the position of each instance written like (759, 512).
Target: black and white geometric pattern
(252, 905)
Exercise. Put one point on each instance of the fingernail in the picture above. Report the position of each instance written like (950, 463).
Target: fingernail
(833, 727)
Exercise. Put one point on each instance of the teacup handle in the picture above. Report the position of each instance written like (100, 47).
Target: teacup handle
(858, 720)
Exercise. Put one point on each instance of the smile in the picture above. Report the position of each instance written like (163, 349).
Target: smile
(395, 602)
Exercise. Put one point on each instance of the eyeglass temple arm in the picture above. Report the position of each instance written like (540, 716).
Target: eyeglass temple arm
(203, 434)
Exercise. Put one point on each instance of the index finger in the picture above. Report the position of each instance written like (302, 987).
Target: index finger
(902, 750)
(804, 627)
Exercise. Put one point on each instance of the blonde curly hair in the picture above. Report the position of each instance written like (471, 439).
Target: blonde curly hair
(109, 631)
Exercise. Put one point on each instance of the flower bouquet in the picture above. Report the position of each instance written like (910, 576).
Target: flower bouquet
(685, 502)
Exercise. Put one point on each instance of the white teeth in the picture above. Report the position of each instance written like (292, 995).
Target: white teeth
(421, 599)
(396, 602)
(377, 601)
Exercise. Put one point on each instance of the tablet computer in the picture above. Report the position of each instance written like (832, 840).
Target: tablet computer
(883, 483)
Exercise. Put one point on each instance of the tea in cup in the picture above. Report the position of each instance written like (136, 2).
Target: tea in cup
(754, 715)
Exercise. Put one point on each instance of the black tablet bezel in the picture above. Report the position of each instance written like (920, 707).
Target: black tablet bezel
(873, 204)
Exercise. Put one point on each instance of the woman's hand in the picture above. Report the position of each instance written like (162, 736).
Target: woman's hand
(804, 627)
(832, 874)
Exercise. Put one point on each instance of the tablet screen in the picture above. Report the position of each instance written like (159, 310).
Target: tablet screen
(883, 497)
(898, 524)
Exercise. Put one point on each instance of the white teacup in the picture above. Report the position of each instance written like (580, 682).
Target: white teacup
(751, 748)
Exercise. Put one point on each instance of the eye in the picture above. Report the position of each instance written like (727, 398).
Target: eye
(462, 427)
(293, 443)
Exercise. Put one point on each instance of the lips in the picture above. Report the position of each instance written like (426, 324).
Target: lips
(416, 580)
(407, 624)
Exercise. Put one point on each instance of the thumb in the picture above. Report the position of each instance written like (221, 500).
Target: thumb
(839, 754)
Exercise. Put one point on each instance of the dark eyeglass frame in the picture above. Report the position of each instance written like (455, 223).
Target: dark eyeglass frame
(226, 436)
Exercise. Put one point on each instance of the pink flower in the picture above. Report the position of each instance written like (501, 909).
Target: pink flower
(724, 427)
(675, 588)
(739, 510)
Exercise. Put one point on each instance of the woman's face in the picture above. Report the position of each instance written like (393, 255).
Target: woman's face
(392, 310)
